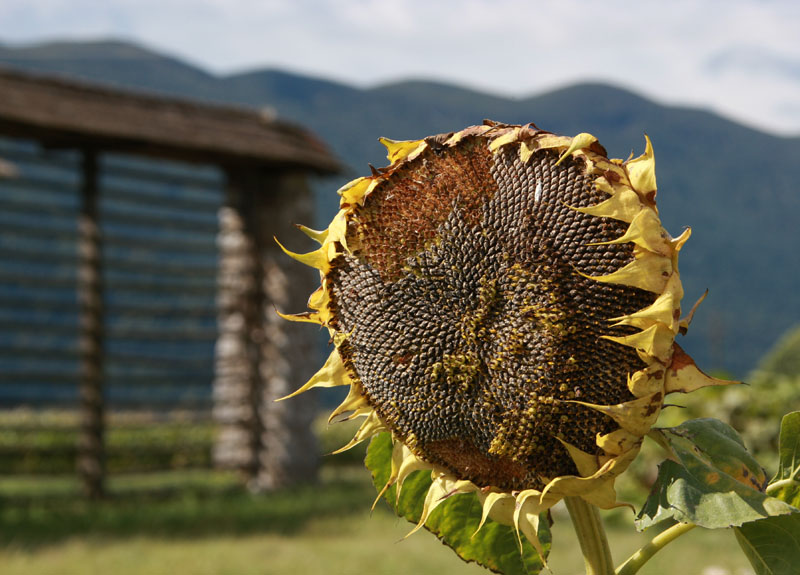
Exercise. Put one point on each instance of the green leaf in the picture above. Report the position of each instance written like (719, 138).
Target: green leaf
(786, 483)
(454, 522)
(711, 480)
(772, 545)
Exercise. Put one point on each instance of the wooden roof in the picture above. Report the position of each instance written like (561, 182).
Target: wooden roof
(67, 113)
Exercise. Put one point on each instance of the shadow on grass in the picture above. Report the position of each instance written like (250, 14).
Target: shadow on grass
(191, 511)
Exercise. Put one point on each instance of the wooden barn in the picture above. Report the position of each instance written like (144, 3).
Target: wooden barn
(138, 267)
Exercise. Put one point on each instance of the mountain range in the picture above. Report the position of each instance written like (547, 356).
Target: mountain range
(735, 186)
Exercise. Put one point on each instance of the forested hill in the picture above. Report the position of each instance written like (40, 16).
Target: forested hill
(736, 187)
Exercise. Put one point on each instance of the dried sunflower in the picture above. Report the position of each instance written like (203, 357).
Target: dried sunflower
(504, 302)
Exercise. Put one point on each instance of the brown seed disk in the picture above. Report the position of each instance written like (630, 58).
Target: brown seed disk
(468, 325)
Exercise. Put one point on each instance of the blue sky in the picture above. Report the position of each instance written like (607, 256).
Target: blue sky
(740, 58)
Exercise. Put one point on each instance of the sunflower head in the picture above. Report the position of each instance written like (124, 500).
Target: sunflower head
(504, 302)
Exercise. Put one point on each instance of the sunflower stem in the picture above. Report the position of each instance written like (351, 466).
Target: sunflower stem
(638, 559)
(591, 536)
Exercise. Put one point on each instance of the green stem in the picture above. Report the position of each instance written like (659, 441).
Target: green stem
(638, 559)
(591, 536)
(773, 487)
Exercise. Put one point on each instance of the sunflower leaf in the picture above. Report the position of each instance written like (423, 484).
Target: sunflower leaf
(772, 545)
(786, 483)
(710, 479)
(454, 521)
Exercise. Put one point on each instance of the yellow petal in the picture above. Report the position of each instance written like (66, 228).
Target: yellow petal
(499, 506)
(526, 150)
(353, 405)
(623, 205)
(307, 317)
(508, 138)
(337, 230)
(399, 149)
(540, 142)
(683, 324)
(642, 172)
(331, 374)
(549, 141)
(646, 381)
(371, 426)
(585, 462)
(597, 489)
(354, 192)
(678, 242)
(636, 416)
(618, 442)
(471, 131)
(648, 271)
(604, 496)
(317, 236)
(443, 487)
(526, 519)
(663, 311)
(655, 341)
(319, 299)
(317, 259)
(645, 230)
(408, 465)
(579, 142)
(397, 458)
(683, 375)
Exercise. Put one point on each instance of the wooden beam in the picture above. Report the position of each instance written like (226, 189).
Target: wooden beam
(91, 442)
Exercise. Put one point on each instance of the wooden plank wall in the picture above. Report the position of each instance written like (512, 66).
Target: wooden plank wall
(156, 288)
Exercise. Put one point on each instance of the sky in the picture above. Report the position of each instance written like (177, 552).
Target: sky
(740, 58)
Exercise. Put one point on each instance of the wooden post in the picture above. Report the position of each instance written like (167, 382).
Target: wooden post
(91, 448)
(288, 355)
(259, 356)
(236, 354)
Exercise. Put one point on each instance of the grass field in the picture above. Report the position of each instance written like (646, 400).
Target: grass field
(202, 522)
(196, 522)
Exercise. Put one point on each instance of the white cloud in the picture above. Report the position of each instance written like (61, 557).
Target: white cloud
(514, 47)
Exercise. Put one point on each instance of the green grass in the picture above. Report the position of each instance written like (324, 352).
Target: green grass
(196, 522)
(36, 513)
(35, 442)
(204, 522)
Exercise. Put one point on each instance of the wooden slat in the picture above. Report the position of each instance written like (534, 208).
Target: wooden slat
(26, 254)
(44, 354)
(140, 206)
(114, 216)
(160, 380)
(160, 308)
(61, 280)
(39, 377)
(155, 285)
(153, 199)
(174, 333)
(37, 326)
(181, 270)
(179, 242)
(36, 184)
(14, 208)
(145, 360)
(174, 175)
(13, 226)
(29, 151)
